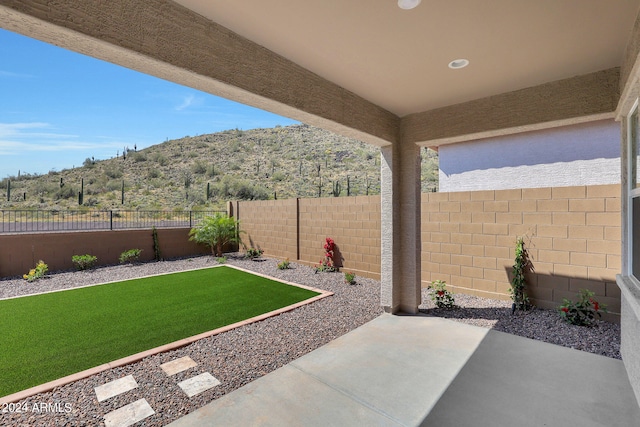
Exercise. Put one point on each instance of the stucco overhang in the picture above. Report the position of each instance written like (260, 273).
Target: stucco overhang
(366, 68)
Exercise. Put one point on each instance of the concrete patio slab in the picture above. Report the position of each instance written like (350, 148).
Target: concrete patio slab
(178, 365)
(115, 387)
(129, 414)
(198, 384)
(429, 371)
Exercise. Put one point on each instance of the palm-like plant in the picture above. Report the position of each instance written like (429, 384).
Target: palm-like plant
(216, 231)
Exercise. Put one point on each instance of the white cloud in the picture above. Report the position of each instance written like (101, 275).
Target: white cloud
(18, 138)
(10, 74)
(190, 101)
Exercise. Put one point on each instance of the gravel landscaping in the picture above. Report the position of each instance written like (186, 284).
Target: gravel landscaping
(242, 355)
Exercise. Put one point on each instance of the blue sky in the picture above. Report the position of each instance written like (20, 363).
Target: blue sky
(58, 107)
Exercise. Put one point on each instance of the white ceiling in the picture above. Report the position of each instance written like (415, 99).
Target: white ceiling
(398, 59)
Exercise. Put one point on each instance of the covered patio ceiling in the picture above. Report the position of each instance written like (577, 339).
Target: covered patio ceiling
(366, 68)
(398, 59)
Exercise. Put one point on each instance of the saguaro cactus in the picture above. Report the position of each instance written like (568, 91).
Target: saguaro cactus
(337, 189)
(81, 192)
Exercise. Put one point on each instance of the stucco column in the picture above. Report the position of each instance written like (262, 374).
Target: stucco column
(400, 223)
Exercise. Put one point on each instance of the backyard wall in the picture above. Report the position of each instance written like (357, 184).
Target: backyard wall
(572, 235)
(297, 228)
(21, 251)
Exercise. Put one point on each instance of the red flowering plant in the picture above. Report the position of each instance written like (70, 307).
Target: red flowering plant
(441, 297)
(583, 312)
(327, 264)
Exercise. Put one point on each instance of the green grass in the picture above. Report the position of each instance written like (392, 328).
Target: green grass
(48, 336)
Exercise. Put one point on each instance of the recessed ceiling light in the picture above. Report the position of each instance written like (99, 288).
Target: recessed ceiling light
(458, 63)
(408, 4)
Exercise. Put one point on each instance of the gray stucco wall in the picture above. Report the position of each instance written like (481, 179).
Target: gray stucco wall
(630, 340)
(583, 154)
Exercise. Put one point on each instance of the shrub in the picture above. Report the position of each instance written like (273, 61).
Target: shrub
(36, 273)
(199, 167)
(157, 255)
(130, 256)
(153, 173)
(326, 264)
(583, 312)
(441, 297)
(113, 172)
(350, 278)
(254, 253)
(216, 231)
(221, 259)
(84, 262)
(284, 264)
(139, 157)
(518, 283)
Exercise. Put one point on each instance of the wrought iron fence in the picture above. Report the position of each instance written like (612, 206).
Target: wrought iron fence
(17, 221)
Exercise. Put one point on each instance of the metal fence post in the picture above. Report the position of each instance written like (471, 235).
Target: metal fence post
(190, 219)
(110, 220)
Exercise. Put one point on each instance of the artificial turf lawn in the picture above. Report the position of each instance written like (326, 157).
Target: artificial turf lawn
(48, 336)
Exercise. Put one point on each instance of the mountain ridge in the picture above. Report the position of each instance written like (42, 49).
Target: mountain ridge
(204, 171)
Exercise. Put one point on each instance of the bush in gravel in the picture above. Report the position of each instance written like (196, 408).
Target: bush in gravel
(583, 312)
(327, 264)
(130, 256)
(518, 283)
(284, 264)
(84, 262)
(36, 273)
(254, 253)
(441, 297)
(350, 278)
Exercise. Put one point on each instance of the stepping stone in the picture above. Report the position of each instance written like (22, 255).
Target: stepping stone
(198, 384)
(115, 387)
(129, 414)
(178, 365)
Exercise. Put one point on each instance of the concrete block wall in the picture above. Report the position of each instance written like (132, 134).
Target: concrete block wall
(20, 252)
(270, 225)
(352, 222)
(297, 229)
(572, 235)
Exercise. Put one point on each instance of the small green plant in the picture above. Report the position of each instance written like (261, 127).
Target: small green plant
(130, 256)
(284, 264)
(583, 312)
(84, 262)
(36, 273)
(441, 297)
(221, 259)
(350, 278)
(326, 264)
(518, 283)
(254, 253)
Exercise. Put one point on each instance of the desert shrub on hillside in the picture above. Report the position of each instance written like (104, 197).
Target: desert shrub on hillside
(113, 172)
(199, 167)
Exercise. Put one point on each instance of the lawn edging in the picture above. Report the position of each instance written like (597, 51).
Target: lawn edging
(42, 388)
